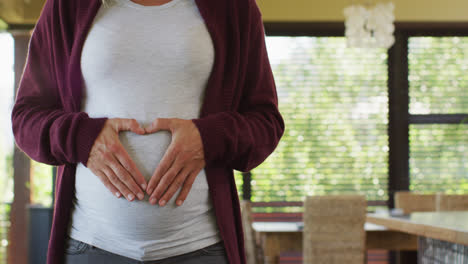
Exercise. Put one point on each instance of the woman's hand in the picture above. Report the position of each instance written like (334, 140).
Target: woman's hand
(181, 163)
(110, 162)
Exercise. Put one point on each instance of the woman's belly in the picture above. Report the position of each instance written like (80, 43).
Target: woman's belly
(96, 208)
(146, 150)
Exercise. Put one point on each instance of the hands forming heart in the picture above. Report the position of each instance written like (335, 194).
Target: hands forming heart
(178, 168)
(180, 164)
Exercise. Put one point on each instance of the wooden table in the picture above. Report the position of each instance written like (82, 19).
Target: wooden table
(277, 237)
(447, 226)
(443, 236)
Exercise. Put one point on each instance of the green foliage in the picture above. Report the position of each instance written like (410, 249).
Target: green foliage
(4, 224)
(439, 158)
(439, 85)
(6, 187)
(41, 177)
(3, 25)
(334, 102)
(437, 75)
(6, 177)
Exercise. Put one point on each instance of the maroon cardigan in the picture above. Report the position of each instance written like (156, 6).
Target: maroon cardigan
(240, 124)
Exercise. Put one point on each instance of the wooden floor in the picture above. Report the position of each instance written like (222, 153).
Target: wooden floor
(373, 257)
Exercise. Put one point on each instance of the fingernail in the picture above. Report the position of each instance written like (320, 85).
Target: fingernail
(143, 186)
(141, 196)
(162, 203)
(117, 194)
(131, 197)
(179, 202)
(153, 200)
(150, 191)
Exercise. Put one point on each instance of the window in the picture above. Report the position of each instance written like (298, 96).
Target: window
(41, 184)
(347, 115)
(6, 138)
(438, 91)
(335, 105)
(41, 176)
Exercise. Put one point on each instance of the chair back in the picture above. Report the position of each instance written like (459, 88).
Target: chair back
(411, 202)
(334, 229)
(452, 202)
(249, 235)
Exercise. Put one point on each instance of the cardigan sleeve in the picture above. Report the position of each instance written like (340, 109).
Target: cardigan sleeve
(42, 127)
(244, 138)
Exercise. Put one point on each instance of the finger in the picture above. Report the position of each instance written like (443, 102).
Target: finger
(125, 177)
(187, 187)
(122, 188)
(174, 186)
(101, 175)
(160, 124)
(164, 165)
(125, 124)
(122, 156)
(165, 182)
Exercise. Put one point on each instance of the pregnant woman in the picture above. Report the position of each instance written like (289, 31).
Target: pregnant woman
(147, 106)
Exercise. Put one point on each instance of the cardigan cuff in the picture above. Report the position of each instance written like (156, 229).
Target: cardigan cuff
(88, 130)
(212, 135)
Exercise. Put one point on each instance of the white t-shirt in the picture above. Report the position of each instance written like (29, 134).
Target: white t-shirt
(145, 62)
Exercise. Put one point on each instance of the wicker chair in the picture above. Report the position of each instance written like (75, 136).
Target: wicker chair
(451, 202)
(249, 232)
(334, 229)
(411, 202)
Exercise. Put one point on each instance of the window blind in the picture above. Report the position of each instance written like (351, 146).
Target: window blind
(438, 84)
(439, 158)
(335, 105)
(438, 79)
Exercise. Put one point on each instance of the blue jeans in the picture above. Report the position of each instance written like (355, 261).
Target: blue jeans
(77, 252)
